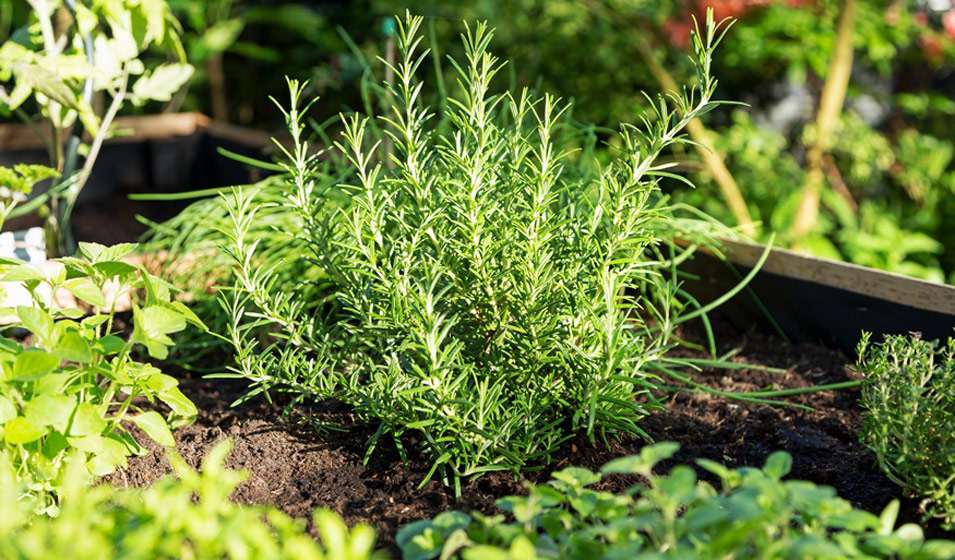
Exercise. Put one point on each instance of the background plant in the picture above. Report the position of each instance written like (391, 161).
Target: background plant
(754, 514)
(72, 57)
(17, 184)
(487, 295)
(187, 515)
(907, 391)
(75, 386)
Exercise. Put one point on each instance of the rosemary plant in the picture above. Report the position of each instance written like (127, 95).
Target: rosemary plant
(489, 296)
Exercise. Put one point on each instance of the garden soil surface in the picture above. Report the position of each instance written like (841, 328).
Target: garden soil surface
(297, 464)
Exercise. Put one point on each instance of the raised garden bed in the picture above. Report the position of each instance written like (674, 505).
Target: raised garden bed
(298, 464)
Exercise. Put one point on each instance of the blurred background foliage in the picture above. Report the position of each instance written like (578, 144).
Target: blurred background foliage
(885, 165)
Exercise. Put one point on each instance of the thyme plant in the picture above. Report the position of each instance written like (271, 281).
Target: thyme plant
(487, 295)
(908, 391)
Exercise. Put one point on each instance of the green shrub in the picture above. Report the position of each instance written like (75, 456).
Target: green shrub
(755, 515)
(908, 392)
(486, 293)
(76, 385)
(187, 516)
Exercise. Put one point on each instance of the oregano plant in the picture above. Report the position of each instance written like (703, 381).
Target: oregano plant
(74, 385)
(483, 290)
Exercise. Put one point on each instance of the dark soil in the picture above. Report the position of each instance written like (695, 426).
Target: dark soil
(298, 465)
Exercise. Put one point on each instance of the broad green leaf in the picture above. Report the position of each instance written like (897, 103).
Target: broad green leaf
(69, 313)
(155, 427)
(485, 552)
(109, 345)
(86, 421)
(643, 463)
(72, 347)
(36, 321)
(152, 325)
(161, 83)
(24, 272)
(179, 403)
(110, 269)
(85, 289)
(189, 315)
(34, 363)
(50, 410)
(7, 410)
(778, 465)
(97, 253)
(221, 35)
(54, 444)
(78, 266)
(20, 430)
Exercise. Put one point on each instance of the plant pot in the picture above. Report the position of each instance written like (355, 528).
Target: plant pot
(153, 154)
(811, 299)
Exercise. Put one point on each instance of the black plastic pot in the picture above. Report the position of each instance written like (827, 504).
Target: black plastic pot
(818, 300)
(154, 154)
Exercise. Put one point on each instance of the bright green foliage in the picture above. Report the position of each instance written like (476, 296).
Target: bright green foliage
(73, 388)
(754, 515)
(484, 289)
(17, 183)
(61, 68)
(187, 516)
(908, 392)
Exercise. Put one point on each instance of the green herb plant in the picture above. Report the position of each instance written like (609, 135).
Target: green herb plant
(483, 293)
(70, 52)
(188, 515)
(74, 385)
(17, 183)
(908, 391)
(754, 515)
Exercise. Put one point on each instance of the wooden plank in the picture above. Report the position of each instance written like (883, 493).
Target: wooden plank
(904, 290)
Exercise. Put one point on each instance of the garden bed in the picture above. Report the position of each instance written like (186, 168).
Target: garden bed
(299, 466)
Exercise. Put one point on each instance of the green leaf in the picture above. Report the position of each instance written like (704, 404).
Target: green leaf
(24, 272)
(34, 363)
(222, 35)
(155, 427)
(110, 269)
(109, 345)
(179, 403)
(85, 289)
(20, 430)
(86, 421)
(7, 410)
(72, 347)
(152, 325)
(188, 314)
(643, 463)
(161, 83)
(778, 465)
(50, 410)
(101, 254)
(37, 321)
